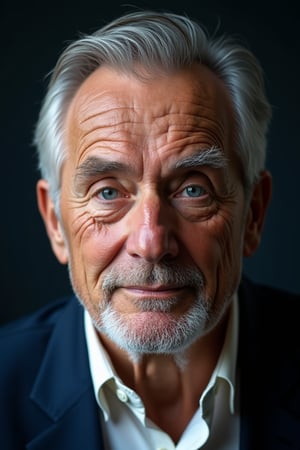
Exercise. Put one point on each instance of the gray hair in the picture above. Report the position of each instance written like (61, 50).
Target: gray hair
(155, 41)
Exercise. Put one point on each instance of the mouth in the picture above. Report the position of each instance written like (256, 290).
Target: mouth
(154, 291)
(158, 299)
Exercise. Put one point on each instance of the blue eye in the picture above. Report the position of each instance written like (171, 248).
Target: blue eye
(194, 191)
(109, 193)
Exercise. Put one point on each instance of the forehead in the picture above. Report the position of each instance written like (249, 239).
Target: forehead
(113, 111)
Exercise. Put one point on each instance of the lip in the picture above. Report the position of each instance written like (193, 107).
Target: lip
(155, 291)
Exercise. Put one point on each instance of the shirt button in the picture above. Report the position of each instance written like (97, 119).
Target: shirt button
(122, 395)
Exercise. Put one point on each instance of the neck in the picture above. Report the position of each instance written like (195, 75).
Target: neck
(170, 385)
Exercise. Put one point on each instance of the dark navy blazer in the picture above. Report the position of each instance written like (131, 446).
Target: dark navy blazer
(46, 395)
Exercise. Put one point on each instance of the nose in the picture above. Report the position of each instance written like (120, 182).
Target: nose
(151, 234)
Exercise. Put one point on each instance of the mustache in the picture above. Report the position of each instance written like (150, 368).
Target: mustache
(145, 274)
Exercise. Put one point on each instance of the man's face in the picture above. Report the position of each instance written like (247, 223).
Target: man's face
(153, 209)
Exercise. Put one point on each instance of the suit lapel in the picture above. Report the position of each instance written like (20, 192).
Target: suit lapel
(63, 389)
(77, 429)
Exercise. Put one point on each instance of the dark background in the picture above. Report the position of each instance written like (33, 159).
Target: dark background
(32, 37)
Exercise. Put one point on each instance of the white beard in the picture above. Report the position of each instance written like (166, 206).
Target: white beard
(153, 328)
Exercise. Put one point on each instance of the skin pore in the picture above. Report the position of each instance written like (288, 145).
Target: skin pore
(152, 199)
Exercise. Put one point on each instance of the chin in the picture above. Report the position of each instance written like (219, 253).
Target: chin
(153, 332)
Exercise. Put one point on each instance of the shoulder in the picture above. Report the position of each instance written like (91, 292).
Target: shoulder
(269, 360)
(42, 319)
(23, 341)
(262, 296)
(269, 316)
(40, 357)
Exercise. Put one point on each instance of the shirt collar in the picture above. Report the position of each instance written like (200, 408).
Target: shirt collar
(101, 367)
(226, 365)
(103, 373)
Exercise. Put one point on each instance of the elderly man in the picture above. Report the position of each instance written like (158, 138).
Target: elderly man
(151, 143)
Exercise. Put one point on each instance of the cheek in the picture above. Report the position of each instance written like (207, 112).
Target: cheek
(216, 248)
(208, 241)
(93, 247)
(204, 248)
(230, 243)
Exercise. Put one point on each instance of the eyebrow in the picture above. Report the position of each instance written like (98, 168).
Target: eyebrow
(211, 157)
(94, 166)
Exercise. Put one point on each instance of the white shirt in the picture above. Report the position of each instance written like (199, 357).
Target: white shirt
(214, 426)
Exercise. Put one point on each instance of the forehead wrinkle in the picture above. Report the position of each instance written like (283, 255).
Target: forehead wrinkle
(120, 118)
(196, 122)
(117, 115)
(141, 114)
(102, 111)
(95, 134)
(86, 103)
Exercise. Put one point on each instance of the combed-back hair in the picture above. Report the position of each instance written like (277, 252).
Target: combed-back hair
(146, 43)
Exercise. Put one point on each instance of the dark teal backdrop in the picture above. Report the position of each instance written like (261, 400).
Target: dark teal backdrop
(32, 36)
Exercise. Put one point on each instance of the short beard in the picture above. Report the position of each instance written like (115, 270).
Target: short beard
(173, 336)
(154, 336)
(166, 334)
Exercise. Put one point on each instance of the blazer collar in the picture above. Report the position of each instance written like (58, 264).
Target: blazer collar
(63, 376)
(63, 388)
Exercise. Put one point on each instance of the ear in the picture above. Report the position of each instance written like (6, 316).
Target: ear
(52, 224)
(258, 205)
